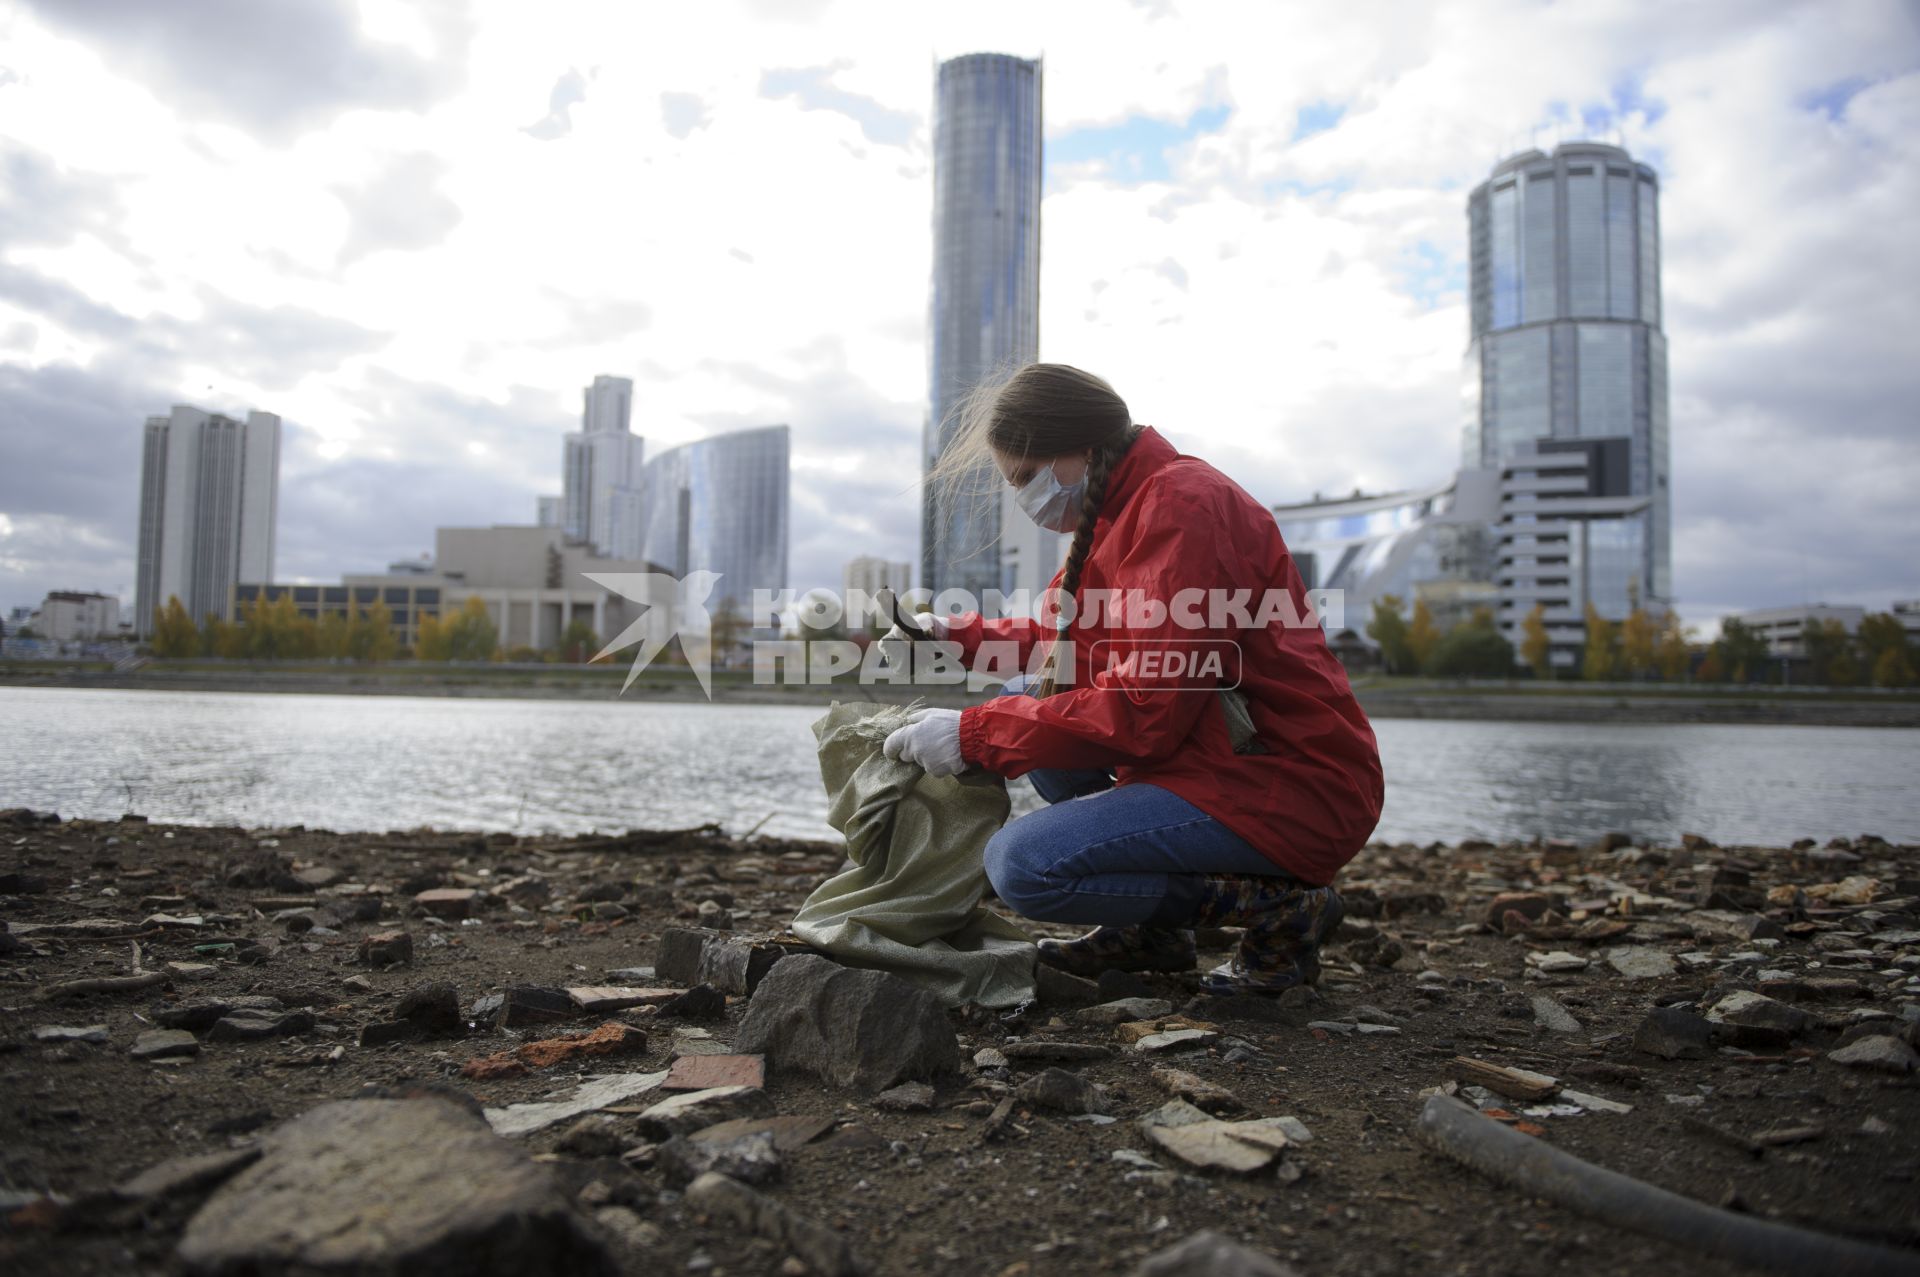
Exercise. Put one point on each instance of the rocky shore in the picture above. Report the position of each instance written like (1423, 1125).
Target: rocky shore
(272, 1051)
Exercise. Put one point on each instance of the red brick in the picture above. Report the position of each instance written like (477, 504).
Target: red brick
(702, 1072)
(449, 902)
(611, 1038)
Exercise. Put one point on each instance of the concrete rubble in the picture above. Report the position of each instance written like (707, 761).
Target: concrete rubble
(649, 1090)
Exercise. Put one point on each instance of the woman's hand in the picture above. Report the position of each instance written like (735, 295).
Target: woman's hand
(895, 642)
(930, 739)
(929, 625)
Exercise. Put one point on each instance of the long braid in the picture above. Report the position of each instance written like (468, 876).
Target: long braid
(1100, 468)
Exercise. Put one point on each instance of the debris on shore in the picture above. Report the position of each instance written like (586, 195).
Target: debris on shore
(294, 1050)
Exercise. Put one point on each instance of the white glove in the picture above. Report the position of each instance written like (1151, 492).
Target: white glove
(894, 643)
(931, 739)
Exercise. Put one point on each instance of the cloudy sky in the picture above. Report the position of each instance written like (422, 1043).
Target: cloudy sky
(416, 230)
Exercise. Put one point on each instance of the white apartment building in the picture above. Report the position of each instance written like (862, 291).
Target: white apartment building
(1785, 628)
(209, 496)
(69, 616)
(601, 473)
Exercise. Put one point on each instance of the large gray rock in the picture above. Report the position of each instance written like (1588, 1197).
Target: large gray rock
(1063, 1092)
(390, 1187)
(1750, 1019)
(1886, 1054)
(863, 1029)
(701, 955)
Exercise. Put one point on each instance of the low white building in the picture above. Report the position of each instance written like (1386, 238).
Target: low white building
(69, 616)
(869, 574)
(1908, 612)
(1785, 628)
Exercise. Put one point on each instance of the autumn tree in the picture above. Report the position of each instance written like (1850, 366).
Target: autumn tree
(434, 643)
(370, 635)
(471, 635)
(1893, 668)
(1602, 654)
(1637, 638)
(275, 631)
(1829, 651)
(1536, 648)
(174, 633)
(1474, 649)
(1670, 654)
(1423, 636)
(1882, 640)
(223, 638)
(1712, 668)
(1389, 629)
(332, 638)
(1743, 651)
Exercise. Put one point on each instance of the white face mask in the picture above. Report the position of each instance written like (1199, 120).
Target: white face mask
(1050, 503)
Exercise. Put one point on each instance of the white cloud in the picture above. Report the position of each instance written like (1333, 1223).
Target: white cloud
(460, 219)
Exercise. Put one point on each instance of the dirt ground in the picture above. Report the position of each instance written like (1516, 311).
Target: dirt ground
(1779, 1130)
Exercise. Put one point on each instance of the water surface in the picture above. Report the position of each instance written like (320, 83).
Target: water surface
(390, 762)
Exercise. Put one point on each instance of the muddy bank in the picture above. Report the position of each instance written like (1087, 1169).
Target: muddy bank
(1735, 1025)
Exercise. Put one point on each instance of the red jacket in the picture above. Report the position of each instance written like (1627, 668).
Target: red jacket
(1172, 523)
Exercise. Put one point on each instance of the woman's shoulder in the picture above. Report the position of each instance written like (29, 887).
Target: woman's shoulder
(1191, 486)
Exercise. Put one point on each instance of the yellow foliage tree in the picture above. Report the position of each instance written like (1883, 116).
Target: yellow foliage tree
(1536, 649)
(471, 635)
(433, 643)
(1602, 653)
(174, 633)
(370, 636)
(1892, 668)
(223, 638)
(1422, 634)
(277, 632)
(332, 636)
(1637, 638)
(1670, 654)
(1389, 629)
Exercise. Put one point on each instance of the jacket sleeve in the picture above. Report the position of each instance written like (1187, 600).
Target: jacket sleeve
(969, 630)
(1130, 711)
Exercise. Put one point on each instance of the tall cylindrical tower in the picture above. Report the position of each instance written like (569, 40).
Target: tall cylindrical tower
(1566, 336)
(985, 301)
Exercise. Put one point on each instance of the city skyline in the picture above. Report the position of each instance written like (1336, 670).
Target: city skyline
(419, 266)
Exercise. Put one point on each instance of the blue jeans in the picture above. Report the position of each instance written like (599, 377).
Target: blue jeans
(1105, 854)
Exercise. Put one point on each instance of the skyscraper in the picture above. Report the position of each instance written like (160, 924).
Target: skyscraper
(720, 505)
(601, 472)
(608, 405)
(209, 493)
(985, 304)
(1567, 379)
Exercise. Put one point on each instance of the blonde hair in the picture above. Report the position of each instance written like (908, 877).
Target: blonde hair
(1039, 411)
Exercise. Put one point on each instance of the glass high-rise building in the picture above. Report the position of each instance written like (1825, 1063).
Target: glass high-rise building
(985, 304)
(1567, 346)
(720, 505)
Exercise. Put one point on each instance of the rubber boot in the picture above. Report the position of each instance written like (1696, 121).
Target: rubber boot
(1285, 923)
(1138, 948)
